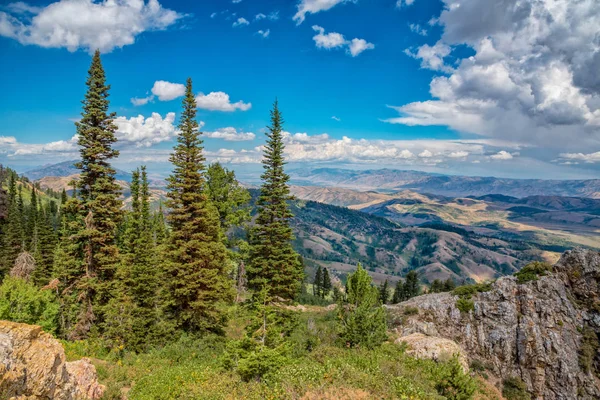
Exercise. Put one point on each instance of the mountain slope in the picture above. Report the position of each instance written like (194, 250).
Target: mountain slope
(65, 169)
(339, 238)
(551, 221)
(394, 180)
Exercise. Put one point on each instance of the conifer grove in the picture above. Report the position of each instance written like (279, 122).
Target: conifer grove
(116, 262)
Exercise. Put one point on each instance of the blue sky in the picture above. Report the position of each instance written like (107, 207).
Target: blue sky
(410, 84)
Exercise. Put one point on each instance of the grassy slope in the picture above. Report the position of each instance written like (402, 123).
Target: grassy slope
(191, 369)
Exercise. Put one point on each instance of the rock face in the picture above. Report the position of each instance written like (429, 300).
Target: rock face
(531, 331)
(33, 366)
(433, 348)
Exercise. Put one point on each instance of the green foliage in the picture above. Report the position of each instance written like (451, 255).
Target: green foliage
(362, 318)
(14, 238)
(514, 388)
(197, 286)
(98, 192)
(469, 290)
(229, 197)
(384, 294)
(411, 310)
(21, 301)
(318, 282)
(532, 271)
(264, 349)
(134, 312)
(588, 349)
(455, 384)
(326, 285)
(273, 261)
(465, 305)
(407, 289)
(437, 286)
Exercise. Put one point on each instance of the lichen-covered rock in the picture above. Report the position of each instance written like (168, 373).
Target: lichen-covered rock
(33, 366)
(433, 348)
(531, 331)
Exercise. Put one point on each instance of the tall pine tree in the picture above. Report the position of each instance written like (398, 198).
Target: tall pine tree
(196, 266)
(273, 261)
(98, 193)
(13, 239)
(132, 313)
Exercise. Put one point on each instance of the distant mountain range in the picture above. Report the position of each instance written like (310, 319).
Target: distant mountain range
(551, 222)
(447, 185)
(64, 169)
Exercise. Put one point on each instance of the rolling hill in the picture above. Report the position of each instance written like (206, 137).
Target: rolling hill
(339, 237)
(448, 185)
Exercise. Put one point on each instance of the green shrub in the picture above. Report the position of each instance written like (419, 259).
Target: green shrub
(411, 310)
(362, 319)
(24, 302)
(470, 290)
(532, 272)
(454, 383)
(588, 349)
(515, 389)
(465, 305)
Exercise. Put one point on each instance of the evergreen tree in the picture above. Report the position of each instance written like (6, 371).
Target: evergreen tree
(137, 285)
(318, 282)
(399, 293)
(98, 192)
(362, 321)
(63, 197)
(449, 285)
(44, 249)
(31, 232)
(412, 286)
(273, 260)
(436, 286)
(384, 295)
(327, 285)
(195, 271)
(13, 239)
(230, 198)
(68, 269)
(159, 226)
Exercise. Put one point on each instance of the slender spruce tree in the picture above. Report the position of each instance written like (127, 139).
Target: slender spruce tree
(318, 282)
(132, 313)
(273, 261)
(98, 193)
(196, 266)
(384, 295)
(327, 285)
(13, 239)
(45, 245)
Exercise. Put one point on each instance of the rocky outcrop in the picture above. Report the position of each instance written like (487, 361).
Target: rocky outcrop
(33, 366)
(532, 331)
(433, 348)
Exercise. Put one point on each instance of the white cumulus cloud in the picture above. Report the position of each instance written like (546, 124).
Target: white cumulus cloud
(532, 78)
(145, 132)
(333, 40)
(241, 21)
(230, 134)
(315, 6)
(219, 101)
(85, 24)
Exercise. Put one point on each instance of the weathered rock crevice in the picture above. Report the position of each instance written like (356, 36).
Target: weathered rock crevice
(532, 331)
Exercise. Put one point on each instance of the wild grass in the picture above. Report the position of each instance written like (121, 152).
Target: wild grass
(318, 367)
